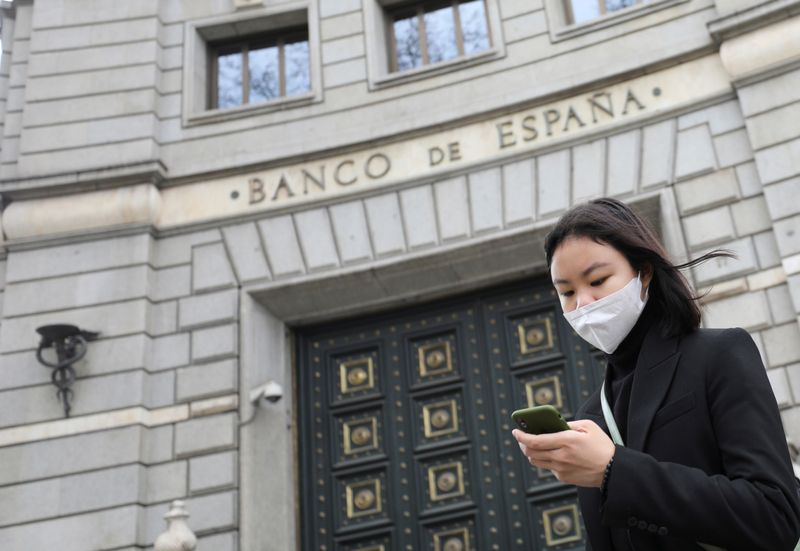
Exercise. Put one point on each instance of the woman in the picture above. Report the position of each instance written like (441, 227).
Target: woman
(704, 463)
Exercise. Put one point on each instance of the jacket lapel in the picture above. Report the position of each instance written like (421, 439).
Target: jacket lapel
(652, 377)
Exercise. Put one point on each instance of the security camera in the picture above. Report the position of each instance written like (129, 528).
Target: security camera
(270, 391)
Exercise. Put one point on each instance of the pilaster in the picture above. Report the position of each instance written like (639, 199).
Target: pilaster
(760, 49)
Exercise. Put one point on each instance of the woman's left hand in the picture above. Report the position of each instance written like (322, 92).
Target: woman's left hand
(578, 456)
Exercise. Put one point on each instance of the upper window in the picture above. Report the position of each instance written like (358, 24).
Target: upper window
(260, 69)
(579, 11)
(431, 32)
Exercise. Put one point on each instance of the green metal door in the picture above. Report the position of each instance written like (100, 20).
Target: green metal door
(405, 433)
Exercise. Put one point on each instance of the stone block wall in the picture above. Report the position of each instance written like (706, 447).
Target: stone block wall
(723, 205)
(99, 89)
(85, 86)
(157, 397)
(154, 410)
(771, 106)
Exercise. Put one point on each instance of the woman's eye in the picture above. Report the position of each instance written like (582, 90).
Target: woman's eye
(598, 282)
(566, 293)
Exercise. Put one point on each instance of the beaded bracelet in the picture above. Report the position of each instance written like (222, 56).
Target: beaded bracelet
(606, 476)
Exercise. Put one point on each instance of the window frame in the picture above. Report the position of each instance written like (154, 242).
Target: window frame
(244, 45)
(418, 8)
(603, 10)
(200, 35)
(381, 56)
(559, 15)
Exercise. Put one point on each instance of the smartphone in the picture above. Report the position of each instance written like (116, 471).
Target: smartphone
(539, 420)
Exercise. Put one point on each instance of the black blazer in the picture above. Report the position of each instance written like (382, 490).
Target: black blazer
(706, 457)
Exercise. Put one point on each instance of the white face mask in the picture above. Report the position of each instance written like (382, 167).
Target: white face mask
(606, 322)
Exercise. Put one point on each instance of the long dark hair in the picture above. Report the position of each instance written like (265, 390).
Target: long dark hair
(612, 222)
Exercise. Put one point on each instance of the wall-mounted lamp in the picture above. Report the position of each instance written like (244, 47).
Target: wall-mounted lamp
(70, 344)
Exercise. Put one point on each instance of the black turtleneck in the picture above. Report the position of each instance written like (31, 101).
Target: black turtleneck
(619, 382)
(621, 364)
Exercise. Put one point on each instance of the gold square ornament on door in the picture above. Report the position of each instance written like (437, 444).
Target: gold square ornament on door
(360, 435)
(544, 392)
(356, 375)
(446, 481)
(535, 336)
(435, 359)
(452, 540)
(363, 498)
(440, 418)
(561, 525)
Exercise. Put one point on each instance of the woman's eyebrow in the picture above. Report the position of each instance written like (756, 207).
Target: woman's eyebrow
(593, 266)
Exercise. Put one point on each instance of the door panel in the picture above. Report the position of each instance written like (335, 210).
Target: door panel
(405, 436)
(536, 359)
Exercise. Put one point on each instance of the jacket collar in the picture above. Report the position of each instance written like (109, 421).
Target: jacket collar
(655, 368)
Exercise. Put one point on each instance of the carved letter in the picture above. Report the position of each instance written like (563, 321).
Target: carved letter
(455, 151)
(631, 98)
(375, 174)
(609, 110)
(528, 126)
(506, 134)
(256, 190)
(571, 114)
(319, 182)
(435, 155)
(282, 184)
(336, 175)
(551, 117)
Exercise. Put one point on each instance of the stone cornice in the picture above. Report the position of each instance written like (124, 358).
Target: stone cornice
(27, 187)
(741, 22)
(762, 52)
(120, 207)
(139, 195)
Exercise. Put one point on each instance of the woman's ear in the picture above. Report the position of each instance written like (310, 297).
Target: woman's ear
(646, 276)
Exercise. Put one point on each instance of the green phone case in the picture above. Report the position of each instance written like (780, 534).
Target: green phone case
(539, 420)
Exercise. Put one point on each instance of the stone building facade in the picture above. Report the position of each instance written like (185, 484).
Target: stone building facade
(216, 248)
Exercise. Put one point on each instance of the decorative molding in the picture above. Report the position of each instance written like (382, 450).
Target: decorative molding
(763, 51)
(764, 279)
(239, 4)
(751, 19)
(441, 153)
(133, 205)
(170, 207)
(115, 419)
(32, 187)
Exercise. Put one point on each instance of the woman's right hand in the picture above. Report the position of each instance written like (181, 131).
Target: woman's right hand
(578, 456)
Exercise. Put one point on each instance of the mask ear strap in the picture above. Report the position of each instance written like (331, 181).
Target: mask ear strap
(645, 289)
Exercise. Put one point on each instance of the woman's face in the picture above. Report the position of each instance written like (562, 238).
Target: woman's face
(584, 271)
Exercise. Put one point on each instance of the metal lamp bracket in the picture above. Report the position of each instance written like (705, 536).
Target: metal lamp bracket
(70, 344)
